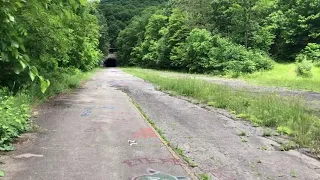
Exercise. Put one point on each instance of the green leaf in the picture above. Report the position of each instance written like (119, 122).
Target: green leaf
(23, 65)
(23, 48)
(83, 2)
(11, 18)
(17, 69)
(26, 57)
(33, 72)
(44, 83)
(4, 57)
(14, 44)
(1, 173)
(32, 75)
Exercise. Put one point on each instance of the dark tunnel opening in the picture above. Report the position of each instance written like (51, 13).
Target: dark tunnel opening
(110, 62)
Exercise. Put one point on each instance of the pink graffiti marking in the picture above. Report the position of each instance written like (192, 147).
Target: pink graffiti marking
(140, 161)
(145, 133)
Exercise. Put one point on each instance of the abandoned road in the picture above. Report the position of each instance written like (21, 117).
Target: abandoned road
(97, 133)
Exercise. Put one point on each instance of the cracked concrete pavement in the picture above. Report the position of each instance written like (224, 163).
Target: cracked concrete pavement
(211, 139)
(93, 133)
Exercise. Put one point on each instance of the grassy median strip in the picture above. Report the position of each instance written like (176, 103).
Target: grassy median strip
(287, 114)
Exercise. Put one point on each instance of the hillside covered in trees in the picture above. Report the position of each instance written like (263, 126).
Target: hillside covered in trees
(222, 36)
(117, 14)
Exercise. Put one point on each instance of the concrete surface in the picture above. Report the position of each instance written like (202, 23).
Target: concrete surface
(94, 133)
(212, 139)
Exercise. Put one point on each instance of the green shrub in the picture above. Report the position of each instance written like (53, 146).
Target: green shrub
(14, 117)
(194, 52)
(236, 59)
(203, 53)
(311, 52)
(304, 68)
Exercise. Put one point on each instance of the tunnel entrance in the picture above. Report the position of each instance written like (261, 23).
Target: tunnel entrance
(110, 62)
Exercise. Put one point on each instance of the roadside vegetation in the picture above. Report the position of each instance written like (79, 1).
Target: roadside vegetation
(47, 47)
(286, 114)
(284, 75)
(268, 42)
(274, 42)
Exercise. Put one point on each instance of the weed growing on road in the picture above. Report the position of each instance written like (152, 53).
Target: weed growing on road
(243, 133)
(293, 174)
(243, 139)
(185, 158)
(270, 110)
(288, 146)
(267, 132)
(264, 148)
(204, 177)
(1, 173)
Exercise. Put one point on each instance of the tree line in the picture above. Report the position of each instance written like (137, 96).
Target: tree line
(117, 14)
(45, 46)
(222, 36)
(40, 39)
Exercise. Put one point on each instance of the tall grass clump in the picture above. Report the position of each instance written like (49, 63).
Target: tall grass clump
(266, 109)
(304, 67)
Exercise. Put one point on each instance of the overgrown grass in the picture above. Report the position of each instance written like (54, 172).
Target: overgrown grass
(268, 110)
(15, 108)
(284, 75)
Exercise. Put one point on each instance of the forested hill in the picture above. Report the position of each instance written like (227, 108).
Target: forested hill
(222, 36)
(118, 13)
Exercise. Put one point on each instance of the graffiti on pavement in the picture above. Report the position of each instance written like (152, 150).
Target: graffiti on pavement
(157, 175)
(88, 111)
(145, 133)
(139, 161)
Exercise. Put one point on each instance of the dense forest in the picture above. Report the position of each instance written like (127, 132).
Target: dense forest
(223, 36)
(117, 14)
